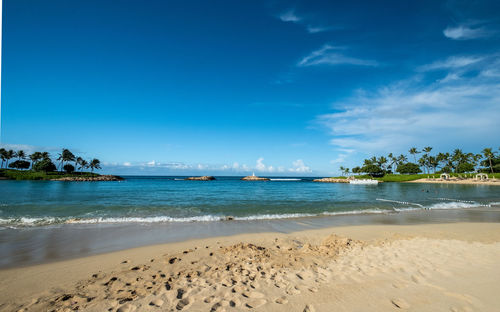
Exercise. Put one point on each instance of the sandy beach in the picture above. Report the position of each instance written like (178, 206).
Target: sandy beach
(430, 267)
(457, 181)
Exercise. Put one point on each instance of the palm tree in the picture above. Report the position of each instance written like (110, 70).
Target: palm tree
(414, 152)
(83, 164)
(427, 149)
(9, 155)
(65, 155)
(35, 157)
(3, 155)
(94, 164)
(45, 155)
(20, 155)
(489, 154)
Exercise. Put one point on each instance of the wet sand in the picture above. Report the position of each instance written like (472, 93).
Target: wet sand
(37, 245)
(422, 267)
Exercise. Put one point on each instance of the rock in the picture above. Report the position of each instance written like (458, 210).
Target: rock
(254, 178)
(203, 178)
(87, 179)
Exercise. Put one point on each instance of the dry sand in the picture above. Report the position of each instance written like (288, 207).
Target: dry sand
(457, 181)
(438, 267)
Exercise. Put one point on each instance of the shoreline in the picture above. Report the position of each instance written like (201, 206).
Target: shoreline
(27, 246)
(318, 256)
(466, 181)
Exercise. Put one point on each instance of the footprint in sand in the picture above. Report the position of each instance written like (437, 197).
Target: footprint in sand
(416, 279)
(126, 308)
(281, 300)
(309, 308)
(400, 303)
(253, 294)
(156, 302)
(183, 303)
(255, 303)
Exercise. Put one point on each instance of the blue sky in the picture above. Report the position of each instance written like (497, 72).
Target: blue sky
(231, 87)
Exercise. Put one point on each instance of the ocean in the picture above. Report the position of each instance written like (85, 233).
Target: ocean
(171, 199)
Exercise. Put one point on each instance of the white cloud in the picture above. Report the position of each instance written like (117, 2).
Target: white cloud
(461, 111)
(452, 62)
(317, 29)
(127, 164)
(329, 55)
(464, 32)
(289, 16)
(300, 167)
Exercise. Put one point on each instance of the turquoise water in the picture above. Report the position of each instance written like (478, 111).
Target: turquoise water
(170, 199)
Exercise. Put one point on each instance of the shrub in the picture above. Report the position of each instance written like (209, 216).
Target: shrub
(45, 165)
(69, 168)
(408, 168)
(20, 164)
(372, 170)
(465, 167)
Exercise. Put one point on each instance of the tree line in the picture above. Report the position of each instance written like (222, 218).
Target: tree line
(42, 161)
(456, 162)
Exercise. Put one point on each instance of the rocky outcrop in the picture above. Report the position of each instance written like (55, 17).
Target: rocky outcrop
(254, 178)
(85, 179)
(331, 180)
(203, 178)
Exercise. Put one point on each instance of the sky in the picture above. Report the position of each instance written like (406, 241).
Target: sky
(234, 87)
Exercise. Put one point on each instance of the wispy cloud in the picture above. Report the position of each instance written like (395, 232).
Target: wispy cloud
(466, 32)
(330, 55)
(452, 62)
(317, 29)
(462, 111)
(291, 16)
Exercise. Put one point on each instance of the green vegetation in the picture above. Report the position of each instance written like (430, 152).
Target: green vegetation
(413, 177)
(43, 167)
(12, 174)
(457, 162)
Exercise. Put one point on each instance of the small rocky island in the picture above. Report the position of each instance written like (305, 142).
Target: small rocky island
(203, 178)
(86, 179)
(254, 178)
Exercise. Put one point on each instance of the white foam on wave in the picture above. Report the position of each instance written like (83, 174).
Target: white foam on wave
(161, 219)
(354, 212)
(399, 202)
(457, 205)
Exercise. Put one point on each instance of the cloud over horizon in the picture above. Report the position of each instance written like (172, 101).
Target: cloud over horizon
(411, 112)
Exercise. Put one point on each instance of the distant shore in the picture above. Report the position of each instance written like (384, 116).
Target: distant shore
(383, 267)
(11, 174)
(457, 181)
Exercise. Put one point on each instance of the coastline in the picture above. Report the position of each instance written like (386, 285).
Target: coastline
(381, 266)
(466, 181)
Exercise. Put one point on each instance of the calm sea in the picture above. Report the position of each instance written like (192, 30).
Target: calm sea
(171, 199)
